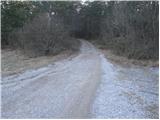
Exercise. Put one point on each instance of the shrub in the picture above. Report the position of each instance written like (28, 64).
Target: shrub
(44, 35)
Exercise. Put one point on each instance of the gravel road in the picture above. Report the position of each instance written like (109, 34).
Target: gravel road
(86, 86)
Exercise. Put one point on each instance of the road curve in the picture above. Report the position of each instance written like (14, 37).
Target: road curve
(86, 86)
(63, 90)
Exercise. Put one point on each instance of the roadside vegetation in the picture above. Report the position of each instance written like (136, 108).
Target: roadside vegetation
(40, 28)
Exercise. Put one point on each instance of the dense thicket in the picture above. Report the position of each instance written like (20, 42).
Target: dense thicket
(42, 29)
(132, 29)
(13, 16)
(129, 28)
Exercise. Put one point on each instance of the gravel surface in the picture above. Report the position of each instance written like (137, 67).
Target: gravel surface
(63, 90)
(86, 86)
(127, 92)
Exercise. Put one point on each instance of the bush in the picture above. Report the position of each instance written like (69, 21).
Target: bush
(132, 29)
(43, 36)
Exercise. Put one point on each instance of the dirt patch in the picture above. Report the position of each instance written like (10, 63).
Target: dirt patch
(14, 61)
(152, 109)
(127, 62)
(133, 98)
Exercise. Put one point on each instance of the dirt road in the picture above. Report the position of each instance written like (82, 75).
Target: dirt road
(87, 86)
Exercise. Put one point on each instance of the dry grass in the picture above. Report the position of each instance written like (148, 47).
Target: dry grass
(128, 62)
(14, 61)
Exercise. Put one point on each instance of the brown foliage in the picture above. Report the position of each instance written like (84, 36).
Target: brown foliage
(43, 36)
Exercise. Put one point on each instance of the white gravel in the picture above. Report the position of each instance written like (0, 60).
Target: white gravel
(126, 92)
(63, 90)
(87, 86)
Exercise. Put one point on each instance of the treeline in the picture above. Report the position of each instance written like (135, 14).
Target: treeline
(129, 28)
(38, 28)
